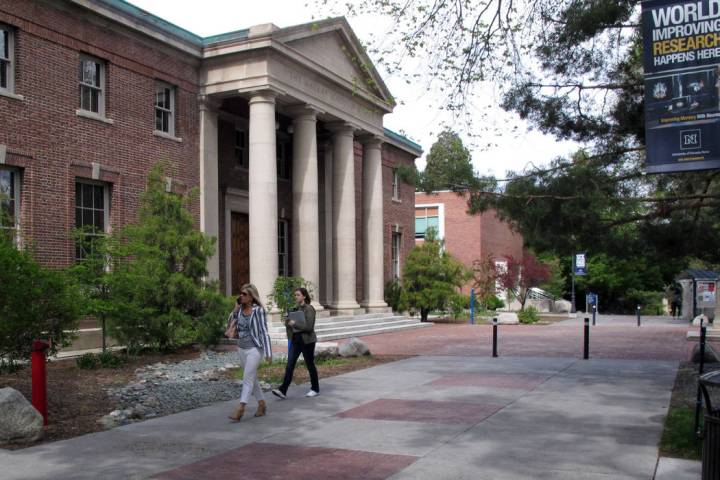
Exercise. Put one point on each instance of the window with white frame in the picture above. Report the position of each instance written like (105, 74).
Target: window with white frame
(241, 148)
(7, 51)
(395, 260)
(283, 266)
(91, 214)
(9, 203)
(426, 217)
(165, 108)
(92, 85)
(395, 185)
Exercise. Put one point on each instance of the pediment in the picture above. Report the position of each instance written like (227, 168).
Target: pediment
(333, 46)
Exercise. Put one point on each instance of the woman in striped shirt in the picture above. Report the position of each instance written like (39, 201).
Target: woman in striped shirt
(253, 343)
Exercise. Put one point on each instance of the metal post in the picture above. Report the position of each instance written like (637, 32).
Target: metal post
(472, 306)
(38, 360)
(572, 294)
(638, 315)
(594, 312)
(698, 400)
(586, 343)
(495, 354)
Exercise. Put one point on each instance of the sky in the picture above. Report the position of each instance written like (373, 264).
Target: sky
(416, 114)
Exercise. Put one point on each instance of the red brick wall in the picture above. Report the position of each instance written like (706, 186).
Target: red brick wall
(54, 146)
(400, 213)
(473, 237)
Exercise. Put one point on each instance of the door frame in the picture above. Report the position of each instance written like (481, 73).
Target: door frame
(237, 201)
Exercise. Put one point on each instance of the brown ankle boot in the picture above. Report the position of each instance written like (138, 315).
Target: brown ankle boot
(238, 413)
(261, 409)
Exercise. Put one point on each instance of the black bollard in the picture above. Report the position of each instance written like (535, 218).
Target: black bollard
(495, 354)
(701, 367)
(638, 314)
(586, 343)
(594, 312)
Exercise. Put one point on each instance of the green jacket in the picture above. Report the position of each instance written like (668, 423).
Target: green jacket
(308, 333)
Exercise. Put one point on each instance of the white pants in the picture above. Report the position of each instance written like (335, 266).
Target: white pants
(250, 359)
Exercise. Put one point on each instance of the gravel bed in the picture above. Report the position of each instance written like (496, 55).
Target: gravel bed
(166, 388)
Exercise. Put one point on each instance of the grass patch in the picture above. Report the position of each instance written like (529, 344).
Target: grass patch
(678, 439)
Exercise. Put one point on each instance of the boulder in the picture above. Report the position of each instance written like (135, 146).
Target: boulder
(508, 318)
(326, 350)
(700, 318)
(353, 348)
(562, 306)
(19, 421)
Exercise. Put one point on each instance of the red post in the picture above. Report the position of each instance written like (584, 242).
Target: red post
(39, 377)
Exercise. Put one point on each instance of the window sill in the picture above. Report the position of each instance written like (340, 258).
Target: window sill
(93, 116)
(14, 96)
(161, 134)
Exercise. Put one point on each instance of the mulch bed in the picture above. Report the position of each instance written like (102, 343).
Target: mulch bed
(77, 398)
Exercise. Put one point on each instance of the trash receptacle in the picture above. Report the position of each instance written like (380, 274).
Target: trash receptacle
(710, 386)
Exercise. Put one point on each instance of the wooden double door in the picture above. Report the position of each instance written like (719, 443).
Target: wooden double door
(240, 250)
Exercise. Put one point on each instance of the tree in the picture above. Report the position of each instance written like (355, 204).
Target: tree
(431, 276)
(485, 277)
(447, 163)
(157, 286)
(35, 303)
(523, 274)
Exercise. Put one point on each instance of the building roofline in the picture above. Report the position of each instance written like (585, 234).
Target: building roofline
(402, 142)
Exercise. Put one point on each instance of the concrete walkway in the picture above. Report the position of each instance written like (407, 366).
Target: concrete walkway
(427, 417)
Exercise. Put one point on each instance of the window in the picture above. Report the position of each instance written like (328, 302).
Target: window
(91, 214)
(396, 242)
(426, 217)
(9, 203)
(241, 150)
(165, 108)
(395, 185)
(6, 58)
(283, 269)
(92, 85)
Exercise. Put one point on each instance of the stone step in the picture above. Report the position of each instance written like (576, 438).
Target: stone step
(372, 331)
(346, 328)
(333, 332)
(345, 322)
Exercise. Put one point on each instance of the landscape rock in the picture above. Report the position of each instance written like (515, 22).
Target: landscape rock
(353, 348)
(19, 421)
(326, 350)
(562, 306)
(700, 319)
(508, 318)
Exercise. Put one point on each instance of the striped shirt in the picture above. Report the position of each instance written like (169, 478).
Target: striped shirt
(258, 329)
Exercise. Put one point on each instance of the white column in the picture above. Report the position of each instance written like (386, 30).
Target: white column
(344, 244)
(262, 193)
(305, 223)
(373, 252)
(329, 266)
(209, 205)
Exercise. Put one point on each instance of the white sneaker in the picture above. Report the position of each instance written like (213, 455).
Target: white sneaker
(312, 393)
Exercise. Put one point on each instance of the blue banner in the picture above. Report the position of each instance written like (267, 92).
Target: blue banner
(580, 264)
(681, 55)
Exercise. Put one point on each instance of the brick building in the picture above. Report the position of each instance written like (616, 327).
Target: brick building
(467, 237)
(281, 130)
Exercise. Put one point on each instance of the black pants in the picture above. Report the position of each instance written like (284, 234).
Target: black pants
(308, 351)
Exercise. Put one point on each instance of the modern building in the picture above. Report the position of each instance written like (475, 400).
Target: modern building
(469, 238)
(280, 128)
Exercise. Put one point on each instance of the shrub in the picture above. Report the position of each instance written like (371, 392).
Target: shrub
(282, 295)
(528, 315)
(87, 361)
(458, 303)
(108, 359)
(35, 303)
(493, 302)
(393, 296)
(650, 302)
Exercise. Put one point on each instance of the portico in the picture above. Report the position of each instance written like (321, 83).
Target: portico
(306, 107)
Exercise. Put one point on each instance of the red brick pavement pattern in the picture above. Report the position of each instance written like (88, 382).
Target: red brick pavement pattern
(456, 413)
(608, 342)
(520, 382)
(269, 461)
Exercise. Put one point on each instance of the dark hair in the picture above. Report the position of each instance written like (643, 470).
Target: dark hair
(305, 294)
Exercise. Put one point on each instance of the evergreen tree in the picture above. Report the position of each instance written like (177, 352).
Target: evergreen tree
(448, 164)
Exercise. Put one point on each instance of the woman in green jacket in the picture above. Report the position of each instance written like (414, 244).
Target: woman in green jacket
(303, 339)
